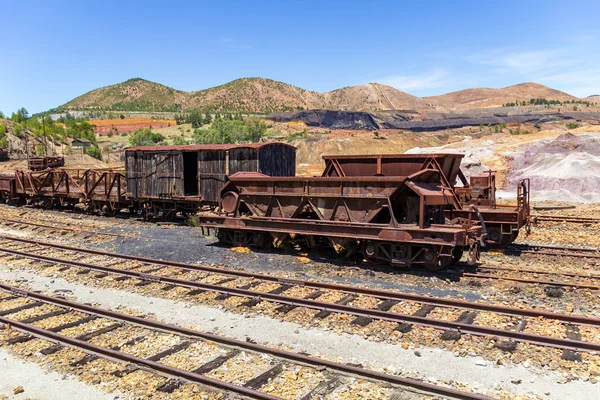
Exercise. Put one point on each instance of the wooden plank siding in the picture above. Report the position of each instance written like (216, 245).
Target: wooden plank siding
(243, 159)
(277, 159)
(212, 169)
(158, 172)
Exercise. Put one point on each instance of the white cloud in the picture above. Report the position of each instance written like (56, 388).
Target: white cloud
(522, 62)
(580, 83)
(435, 79)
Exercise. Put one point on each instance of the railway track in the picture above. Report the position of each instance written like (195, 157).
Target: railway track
(590, 278)
(389, 304)
(9, 222)
(114, 336)
(560, 218)
(555, 250)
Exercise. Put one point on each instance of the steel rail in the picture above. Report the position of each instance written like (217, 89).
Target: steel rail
(382, 294)
(525, 280)
(115, 355)
(333, 307)
(153, 324)
(527, 246)
(558, 218)
(61, 228)
(566, 251)
(535, 271)
(551, 253)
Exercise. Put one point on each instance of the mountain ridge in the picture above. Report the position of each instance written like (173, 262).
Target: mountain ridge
(263, 95)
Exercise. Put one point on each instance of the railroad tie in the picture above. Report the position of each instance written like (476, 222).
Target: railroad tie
(286, 308)
(260, 380)
(153, 270)
(384, 306)
(421, 312)
(173, 384)
(45, 316)
(323, 389)
(401, 395)
(84, 271)
(88, 358)
(343, 301)
(511, 345)
(157, 357)
(194, 292)
(20, 308)
(573, 334)
(467, 317)
(85, 337)
(225, 296)
(278, 290)
(216, 363)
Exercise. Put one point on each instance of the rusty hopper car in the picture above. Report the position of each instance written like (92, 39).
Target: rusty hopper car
(398, 220)
(165, 180)
(3, 155)
(502, 223)
(7, 187)
(97, 190)
(43, 163)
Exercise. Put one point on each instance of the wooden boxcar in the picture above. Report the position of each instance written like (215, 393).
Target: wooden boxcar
(172, 179)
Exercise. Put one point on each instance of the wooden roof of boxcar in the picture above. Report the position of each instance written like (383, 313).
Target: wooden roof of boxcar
(200, 147)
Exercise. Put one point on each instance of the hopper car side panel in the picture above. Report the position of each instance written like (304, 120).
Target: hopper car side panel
(503, 223)
(392, 219)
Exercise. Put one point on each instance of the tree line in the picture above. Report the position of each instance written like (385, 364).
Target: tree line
(546, 102)
(44, 129)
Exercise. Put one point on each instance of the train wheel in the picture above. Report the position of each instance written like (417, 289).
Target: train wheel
(109, 210)
(261, 240)
(432, 260)
(457, 253)
(499, 239)
(370, 252)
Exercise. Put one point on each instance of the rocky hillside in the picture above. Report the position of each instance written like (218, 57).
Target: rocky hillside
(373, 97)
(243, 95)
(488, 98)
(132, 95)
(266, 95)
(595, 98)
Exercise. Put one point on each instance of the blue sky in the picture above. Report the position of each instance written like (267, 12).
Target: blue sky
(53, 51)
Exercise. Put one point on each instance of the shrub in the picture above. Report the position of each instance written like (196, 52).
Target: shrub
(94, 152)
(18, 129)
(145, 137)
(180, 140)
(227, 130)
(39, 149)
(572, 125)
